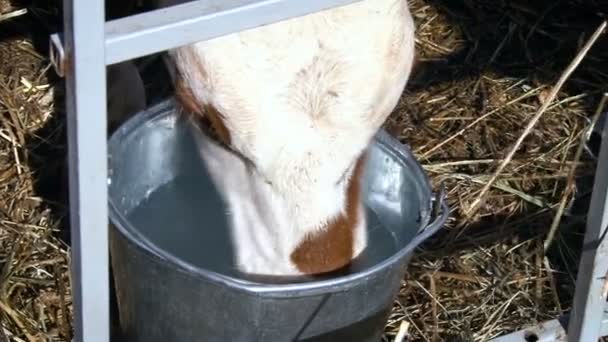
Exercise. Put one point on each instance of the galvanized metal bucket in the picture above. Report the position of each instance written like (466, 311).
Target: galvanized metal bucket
(171, 257)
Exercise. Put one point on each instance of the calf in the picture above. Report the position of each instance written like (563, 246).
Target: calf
(293, 107)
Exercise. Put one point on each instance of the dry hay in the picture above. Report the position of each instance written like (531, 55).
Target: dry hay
(477, 85)
(34, 282)
(478, 278)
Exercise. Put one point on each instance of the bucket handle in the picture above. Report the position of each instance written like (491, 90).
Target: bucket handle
(440, 211)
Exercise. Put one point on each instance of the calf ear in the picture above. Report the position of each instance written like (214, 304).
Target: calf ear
(171, 69)
(125, 92)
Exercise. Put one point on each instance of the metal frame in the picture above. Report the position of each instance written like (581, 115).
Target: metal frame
(591, 283)
(87, 150)
(81, 54)
(89, 44)
(170, 27)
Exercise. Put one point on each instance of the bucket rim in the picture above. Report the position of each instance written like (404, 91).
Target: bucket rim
(401, 153)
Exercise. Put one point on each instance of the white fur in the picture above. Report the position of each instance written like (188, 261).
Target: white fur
(301, 131)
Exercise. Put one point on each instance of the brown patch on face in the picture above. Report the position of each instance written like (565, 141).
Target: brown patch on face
(206, 115)
(332, 248)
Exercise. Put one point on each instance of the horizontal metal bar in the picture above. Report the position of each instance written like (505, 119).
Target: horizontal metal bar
(171, 27)
(549, 331)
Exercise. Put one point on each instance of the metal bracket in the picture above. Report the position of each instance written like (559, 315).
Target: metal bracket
(57, 53)
(437, 199)
(595, 135)
(549, 331)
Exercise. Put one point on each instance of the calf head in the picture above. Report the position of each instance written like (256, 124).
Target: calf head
(295, 105)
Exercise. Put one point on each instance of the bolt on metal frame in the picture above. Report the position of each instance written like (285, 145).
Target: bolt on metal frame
(89, 43)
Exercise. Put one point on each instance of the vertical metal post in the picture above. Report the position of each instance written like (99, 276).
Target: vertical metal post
(590, 296)
(87, 148)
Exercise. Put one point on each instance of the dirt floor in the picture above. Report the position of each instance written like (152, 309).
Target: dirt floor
(485, 68)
